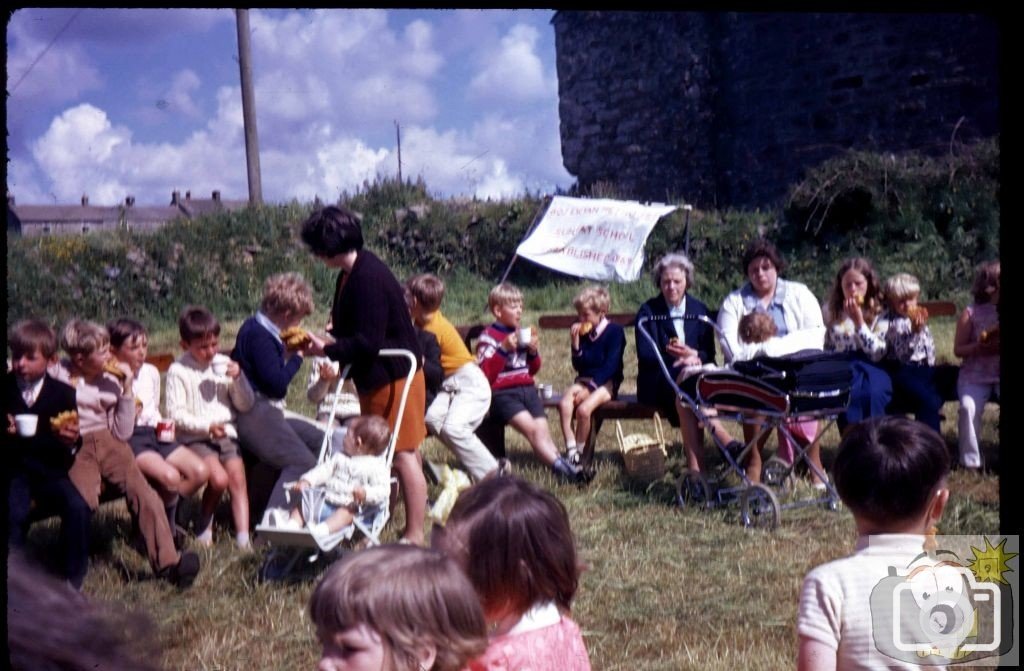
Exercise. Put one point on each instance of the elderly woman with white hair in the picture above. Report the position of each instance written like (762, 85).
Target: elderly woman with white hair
(680, 342)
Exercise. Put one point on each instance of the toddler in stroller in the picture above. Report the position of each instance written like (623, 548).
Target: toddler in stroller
(353, 478)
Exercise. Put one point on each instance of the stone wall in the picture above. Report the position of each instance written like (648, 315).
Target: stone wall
(723, 109)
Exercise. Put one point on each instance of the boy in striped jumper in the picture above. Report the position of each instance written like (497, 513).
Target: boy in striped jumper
(510, 366)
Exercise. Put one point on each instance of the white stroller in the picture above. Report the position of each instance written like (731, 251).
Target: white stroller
(288, 546)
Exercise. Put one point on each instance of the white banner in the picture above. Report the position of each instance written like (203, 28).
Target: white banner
(599, 238)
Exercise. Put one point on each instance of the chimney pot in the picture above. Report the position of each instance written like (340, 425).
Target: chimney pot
(85, 200)
(188, 195)
(175, 197)
(216, 196)
(129, 201)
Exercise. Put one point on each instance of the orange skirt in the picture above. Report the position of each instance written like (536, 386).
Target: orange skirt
(383, 402)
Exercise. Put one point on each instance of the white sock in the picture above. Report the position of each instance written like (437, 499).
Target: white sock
(206, 537)
(569, 447)
(242, 539)
(319, 529)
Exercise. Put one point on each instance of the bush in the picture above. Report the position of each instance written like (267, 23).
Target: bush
(934, 217)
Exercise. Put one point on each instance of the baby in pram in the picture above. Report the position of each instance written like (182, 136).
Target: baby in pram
(354, 477)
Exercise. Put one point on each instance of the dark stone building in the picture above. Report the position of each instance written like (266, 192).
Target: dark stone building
(728, 109)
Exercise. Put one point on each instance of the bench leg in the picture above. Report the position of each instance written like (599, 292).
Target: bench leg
(595, 426)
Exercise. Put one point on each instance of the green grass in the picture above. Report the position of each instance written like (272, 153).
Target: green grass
(665, 588)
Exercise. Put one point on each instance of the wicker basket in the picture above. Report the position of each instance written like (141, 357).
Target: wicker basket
(644, 456)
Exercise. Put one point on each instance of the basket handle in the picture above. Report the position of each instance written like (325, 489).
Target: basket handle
(660, 432)
(621, 438)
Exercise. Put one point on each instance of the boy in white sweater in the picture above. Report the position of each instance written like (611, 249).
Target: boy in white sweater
(205, 391)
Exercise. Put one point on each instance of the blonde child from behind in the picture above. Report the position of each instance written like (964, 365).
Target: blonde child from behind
(757, 327)
(891, 473)
(597, 346)
(977, 343)
(514, 541)
(354, 477)
(465, 394)
(204, 407)
(396, 608)
(510, 366)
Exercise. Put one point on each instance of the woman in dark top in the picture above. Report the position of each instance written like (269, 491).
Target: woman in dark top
(682, 342)
(369, 314)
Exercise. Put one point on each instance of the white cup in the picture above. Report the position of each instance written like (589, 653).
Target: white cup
(547, 391)
(525, 335)
(220, 365)
(26, 425)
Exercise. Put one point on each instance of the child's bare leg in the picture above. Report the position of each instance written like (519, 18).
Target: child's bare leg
(215, 487)
(339, 519)
(565, 412)
(194, 472)
(535, 430)
(164, 477)
(591, 401)
(414, 493)
(239, 492)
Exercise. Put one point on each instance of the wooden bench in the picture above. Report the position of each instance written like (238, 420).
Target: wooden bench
(626, 406)
(492, 433)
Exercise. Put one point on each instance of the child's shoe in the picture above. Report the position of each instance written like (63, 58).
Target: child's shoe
(573, 456)
(566, 472)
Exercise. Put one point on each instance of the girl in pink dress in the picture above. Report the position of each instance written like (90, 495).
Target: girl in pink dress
(514, 541)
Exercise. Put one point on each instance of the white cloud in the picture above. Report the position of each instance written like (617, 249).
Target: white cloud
(329, 87)
(515, 72)
(179, 95)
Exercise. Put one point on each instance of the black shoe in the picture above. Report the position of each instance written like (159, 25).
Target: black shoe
(184, 573)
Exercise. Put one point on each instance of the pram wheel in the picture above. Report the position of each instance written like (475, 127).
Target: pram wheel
(777, 473)
(692, 489)
(759, 508)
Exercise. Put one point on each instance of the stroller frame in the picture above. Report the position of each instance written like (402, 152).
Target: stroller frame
(724, 394)
(288, 546)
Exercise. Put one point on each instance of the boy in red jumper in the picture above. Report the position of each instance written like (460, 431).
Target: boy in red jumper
(509, 366)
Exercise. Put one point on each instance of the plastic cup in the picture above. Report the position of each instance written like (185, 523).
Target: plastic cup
(220, 365)
(26, 425)
(525, 335)
(165, 431)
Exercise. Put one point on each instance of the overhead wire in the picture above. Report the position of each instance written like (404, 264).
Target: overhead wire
(43, 53)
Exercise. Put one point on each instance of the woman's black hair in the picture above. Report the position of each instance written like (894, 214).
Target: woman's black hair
(332, 230)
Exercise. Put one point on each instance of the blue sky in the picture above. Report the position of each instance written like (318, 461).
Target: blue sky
(118, 102)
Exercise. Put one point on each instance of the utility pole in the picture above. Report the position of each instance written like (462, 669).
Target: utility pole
(398, 140)
(252, 146)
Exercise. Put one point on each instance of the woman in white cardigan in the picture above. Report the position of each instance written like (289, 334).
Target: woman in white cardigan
(797, 316)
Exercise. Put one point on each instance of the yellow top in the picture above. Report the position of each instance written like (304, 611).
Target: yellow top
(454, 354)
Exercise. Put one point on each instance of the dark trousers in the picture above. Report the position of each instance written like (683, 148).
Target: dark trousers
(52, 492)
(914, 390)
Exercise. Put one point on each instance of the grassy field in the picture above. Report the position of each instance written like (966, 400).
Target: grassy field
(666, 589)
